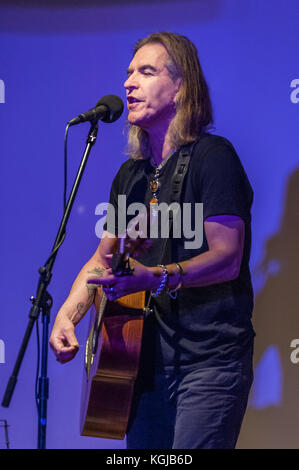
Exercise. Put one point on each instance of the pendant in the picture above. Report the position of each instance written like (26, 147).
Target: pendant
(154, 185)
(154, 200)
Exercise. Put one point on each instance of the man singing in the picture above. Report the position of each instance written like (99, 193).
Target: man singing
(196, 361)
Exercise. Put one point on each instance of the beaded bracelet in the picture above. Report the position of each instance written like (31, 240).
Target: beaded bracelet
(174, 292)
(163, 282)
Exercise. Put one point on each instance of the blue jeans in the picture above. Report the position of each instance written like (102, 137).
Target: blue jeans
(199, 409)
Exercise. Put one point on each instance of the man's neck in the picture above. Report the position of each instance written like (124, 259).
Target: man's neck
(160, 145)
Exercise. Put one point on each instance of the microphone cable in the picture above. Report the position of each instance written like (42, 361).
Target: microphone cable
(65, 166)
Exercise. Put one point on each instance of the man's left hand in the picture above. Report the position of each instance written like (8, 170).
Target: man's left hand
(114, 287)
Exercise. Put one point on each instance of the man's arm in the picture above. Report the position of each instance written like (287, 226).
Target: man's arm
(63, 340)
(221, 263)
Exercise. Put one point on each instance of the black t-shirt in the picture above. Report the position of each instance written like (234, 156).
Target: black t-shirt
(203, 326)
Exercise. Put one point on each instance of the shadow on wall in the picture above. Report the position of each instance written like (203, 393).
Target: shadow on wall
(273, 422)
(99, 16)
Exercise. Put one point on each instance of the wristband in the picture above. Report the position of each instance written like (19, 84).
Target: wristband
(174, 292)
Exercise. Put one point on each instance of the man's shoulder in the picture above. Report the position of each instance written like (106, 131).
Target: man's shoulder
(211, 149)
(209, 142)
(128, 166)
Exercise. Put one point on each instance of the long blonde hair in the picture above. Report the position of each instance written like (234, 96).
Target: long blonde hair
(193, 105)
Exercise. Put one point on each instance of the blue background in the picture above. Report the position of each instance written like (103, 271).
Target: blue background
(56, 60)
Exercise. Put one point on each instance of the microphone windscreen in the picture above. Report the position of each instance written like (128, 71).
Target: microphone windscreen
(115, 107)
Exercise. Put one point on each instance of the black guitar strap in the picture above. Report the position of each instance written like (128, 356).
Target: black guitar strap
(175, 196)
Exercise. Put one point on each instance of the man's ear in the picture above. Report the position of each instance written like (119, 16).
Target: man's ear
(178, 83)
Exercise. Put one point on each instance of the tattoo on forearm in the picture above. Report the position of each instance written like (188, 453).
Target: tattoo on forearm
(82, 307)
(80, 312)
(97, 271)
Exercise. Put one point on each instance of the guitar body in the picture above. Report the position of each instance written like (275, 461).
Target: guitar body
(111, 365)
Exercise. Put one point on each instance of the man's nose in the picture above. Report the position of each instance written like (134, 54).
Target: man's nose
(131, 83)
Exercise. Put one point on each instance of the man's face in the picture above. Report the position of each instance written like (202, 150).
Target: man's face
(150, 89)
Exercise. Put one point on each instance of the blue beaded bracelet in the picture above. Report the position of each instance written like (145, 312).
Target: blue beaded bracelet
(163, 282)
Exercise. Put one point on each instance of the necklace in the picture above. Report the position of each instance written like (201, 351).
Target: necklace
(155, 183)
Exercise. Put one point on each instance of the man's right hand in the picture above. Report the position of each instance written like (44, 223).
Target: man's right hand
(63, 340)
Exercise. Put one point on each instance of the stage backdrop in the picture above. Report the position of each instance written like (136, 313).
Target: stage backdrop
(56, 60)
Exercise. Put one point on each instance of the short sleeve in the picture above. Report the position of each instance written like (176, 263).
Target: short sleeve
(116, 217)
(112, 216)
(220, 182)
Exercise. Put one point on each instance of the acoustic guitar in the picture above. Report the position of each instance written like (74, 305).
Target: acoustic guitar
(111, 362)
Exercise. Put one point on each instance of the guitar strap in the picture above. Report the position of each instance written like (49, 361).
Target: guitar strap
(175, 196)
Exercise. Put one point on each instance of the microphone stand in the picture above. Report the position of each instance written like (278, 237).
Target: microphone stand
(5, 425)
(42, 302)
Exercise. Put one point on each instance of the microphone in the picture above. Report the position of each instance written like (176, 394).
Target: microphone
(108, 109)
